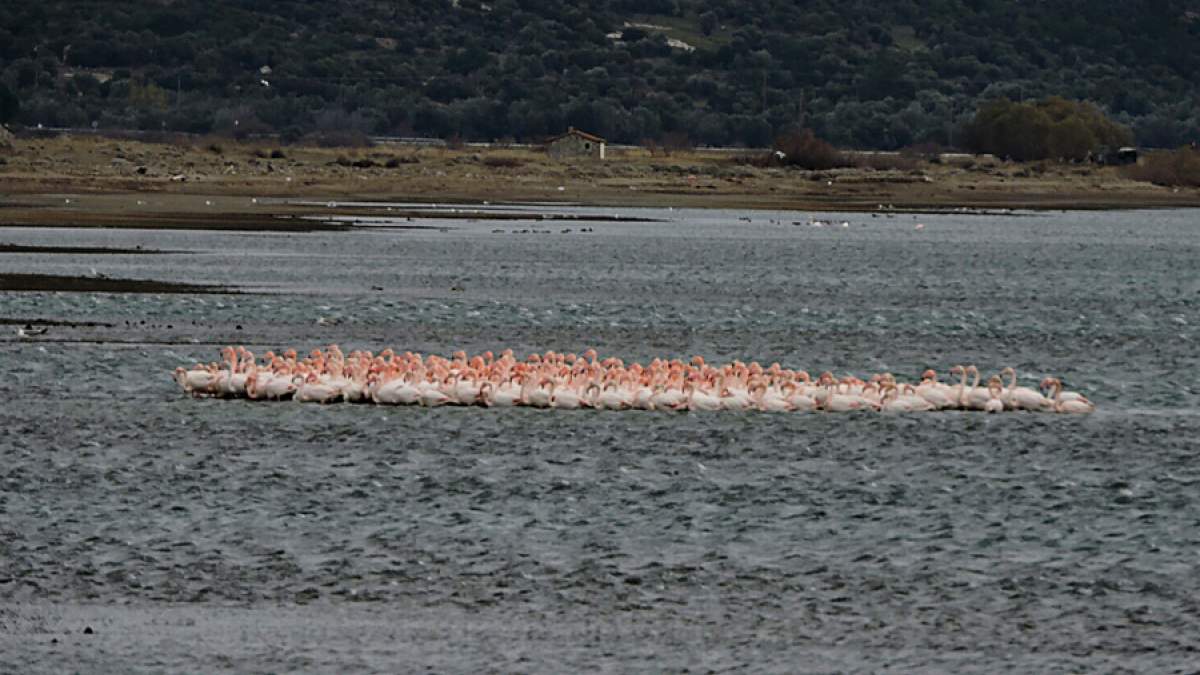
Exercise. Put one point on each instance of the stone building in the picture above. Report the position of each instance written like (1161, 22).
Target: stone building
(575, 144)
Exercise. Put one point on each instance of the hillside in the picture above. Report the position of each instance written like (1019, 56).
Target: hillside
(861, 74)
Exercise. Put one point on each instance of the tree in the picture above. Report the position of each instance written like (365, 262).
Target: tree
(9, 104)
(1053, 128)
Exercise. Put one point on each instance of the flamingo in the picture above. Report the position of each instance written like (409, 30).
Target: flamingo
(769, 401)
(198, 381)
(559, 380)
(974, 397)
(938, 394)
(836, 402)
(537, 397)
(397, 391)
(700, 400)
(1023, 398)
(564, 396)
(1078, 405)
(800, 400)
(995, 389)
(312, 390)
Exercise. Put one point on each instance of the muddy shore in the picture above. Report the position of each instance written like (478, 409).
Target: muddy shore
(179, 185)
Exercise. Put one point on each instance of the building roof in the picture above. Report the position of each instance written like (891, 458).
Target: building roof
(572, 131)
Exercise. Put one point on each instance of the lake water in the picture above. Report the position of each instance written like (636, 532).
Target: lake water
(205, 535)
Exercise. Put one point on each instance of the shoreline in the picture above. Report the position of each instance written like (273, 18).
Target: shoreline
(137, 184)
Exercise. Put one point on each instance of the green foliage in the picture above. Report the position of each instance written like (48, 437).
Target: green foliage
(1053, 128)
(9, 104)
(858, 73)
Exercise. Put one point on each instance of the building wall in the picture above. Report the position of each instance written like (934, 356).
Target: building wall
(572, 146)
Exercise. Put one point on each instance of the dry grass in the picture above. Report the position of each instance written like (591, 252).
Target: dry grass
(630, 176)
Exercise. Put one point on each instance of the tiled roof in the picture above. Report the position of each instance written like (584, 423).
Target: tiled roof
(582, 134)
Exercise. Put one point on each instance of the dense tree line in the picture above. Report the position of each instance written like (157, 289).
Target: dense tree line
(858, 73)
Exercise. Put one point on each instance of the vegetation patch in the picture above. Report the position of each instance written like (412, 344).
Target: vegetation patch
(1053, 128)
(1172, 168)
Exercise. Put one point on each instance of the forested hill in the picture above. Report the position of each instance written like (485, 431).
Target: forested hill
(861, 74)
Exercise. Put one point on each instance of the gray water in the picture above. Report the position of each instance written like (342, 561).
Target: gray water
(204, 535)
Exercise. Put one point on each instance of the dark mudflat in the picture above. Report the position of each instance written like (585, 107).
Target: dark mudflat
(19, 248)
(54, 282)
(233, 222)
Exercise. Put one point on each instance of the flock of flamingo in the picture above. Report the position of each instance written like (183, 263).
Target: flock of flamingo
(554, 380)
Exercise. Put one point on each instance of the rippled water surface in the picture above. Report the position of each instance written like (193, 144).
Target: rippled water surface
(205, 535)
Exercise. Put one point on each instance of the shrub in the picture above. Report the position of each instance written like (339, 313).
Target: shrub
(340, 139)
(675, 141)
(291, 135)
(1174, 168)
(887, 161)
(806, 151)
(394, 162)
(498, 162)
(930, 152)
(1053, 128)
(759, 159)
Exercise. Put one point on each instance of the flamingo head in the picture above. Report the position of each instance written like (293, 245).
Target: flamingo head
(929, 374)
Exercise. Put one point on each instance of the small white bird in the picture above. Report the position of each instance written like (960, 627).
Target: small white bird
(29, 331)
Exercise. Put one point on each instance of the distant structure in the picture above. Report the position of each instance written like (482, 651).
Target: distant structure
(575, 144)
(1125, 155)
(6, 139)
